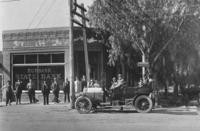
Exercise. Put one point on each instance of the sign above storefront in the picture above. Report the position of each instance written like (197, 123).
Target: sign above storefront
(35, 40)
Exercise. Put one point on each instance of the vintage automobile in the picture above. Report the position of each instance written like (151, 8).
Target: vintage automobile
(138, 97)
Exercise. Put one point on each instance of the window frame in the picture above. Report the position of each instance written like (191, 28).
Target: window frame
(38, 59)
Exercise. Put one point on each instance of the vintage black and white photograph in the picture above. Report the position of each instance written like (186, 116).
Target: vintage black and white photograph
(99, 65)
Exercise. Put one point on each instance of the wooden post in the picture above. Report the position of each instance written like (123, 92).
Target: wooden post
(71, 58)
(143, 67)
(87, 68)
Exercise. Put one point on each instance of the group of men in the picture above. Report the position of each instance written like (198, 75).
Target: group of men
(80, 84)
(9, 94)
(45, 88)
(54, 86)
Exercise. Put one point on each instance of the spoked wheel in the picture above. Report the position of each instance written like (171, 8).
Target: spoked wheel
(83, 105)
(143, 104)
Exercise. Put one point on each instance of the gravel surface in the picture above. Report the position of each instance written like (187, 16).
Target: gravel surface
(58, 117)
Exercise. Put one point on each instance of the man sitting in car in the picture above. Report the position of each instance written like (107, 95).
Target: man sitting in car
(120, 82)
(113, 83)
(116, 88)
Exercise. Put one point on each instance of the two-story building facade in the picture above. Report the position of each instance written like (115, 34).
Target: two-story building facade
(42, 54)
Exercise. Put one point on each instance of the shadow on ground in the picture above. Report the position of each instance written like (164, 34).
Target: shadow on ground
(13, 104)
(115, 111)
(174, 111)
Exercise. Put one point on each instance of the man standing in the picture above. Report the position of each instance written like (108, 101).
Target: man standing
(31, 91)
(18, 92)
(45, 92)
(9, 91)
(83, 83)
(56, 89)
(66, 90)
(77, 85)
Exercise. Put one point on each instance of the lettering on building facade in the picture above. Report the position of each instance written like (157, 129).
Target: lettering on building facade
(36, 40)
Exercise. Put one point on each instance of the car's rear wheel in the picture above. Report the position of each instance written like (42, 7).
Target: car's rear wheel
(83, 105)
(143, 104)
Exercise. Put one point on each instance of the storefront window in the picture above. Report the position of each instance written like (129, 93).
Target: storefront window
(38, 74)
(25, 73)
(47, 73)
(31, 58)
(44, 58)
(38, 58)
(58, 58)
(18, 59)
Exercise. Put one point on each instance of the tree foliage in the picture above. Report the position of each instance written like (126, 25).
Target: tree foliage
(160, 29)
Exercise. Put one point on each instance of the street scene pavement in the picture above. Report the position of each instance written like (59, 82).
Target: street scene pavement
(59, 117)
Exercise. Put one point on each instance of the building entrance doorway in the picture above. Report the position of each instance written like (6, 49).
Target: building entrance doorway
(94, 63)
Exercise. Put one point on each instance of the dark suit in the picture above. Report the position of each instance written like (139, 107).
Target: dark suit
(18, 92)
(83, 84)
(56, 89)
(45, 92)
(9, 92)
(66, 90)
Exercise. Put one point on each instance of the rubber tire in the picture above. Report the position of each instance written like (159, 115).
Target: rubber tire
(83, 110)
(138, 99)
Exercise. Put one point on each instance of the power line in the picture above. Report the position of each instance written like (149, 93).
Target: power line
(46, 13)
(37, 12)
(9, 0)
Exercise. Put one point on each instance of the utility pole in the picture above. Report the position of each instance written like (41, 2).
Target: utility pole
(72, 10)
(87, 68)
(83, 25)
(71, 57)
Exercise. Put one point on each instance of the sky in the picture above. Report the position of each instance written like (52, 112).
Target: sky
(29, 14)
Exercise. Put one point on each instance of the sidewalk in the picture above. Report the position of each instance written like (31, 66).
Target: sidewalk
(39, 104)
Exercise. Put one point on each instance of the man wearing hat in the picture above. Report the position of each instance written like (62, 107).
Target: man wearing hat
(31, 91)
(8, 91)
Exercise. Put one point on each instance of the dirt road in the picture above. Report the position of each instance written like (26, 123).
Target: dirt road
(37, 117)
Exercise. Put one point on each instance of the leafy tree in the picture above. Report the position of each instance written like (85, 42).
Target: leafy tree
(154, 28)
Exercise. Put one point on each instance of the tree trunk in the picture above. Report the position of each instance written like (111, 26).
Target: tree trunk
(123, 69)
(166, 88)
(127, 76)
(176, 89)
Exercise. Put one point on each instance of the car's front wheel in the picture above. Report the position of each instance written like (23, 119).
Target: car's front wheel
(83, 104)
(143, 104)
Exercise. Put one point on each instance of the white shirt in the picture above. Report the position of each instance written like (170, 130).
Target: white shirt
(77, 85)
